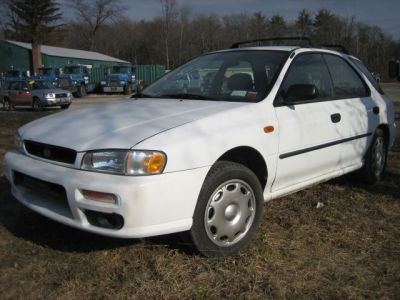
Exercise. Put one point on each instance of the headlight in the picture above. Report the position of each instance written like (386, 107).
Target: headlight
(122, 82)
(50, 95)
(125, 162)
(103, 82)
(19, 143)
(69, 94)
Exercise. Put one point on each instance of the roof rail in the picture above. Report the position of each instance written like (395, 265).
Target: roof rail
(339, 48)
(290, 38)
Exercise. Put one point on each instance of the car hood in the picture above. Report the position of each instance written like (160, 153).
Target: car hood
(119, 125)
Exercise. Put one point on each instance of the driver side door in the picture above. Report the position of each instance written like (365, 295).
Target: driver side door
(307, 127)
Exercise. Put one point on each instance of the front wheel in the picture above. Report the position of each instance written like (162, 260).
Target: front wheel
(81, 91)
(65, 106)
(36, 105)
(228, 211)
(128, 89)
(375, 160)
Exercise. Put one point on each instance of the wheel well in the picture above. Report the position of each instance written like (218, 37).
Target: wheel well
(250, 158)
(385, 129)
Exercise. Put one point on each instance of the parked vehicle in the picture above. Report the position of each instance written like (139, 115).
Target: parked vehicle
(50, 74)
(75, 78)
(275, 120)
(122, 79)
(34, 93)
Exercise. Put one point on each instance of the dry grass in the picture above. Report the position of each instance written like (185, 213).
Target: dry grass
(349, 248)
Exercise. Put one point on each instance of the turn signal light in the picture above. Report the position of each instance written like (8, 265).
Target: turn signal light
(99, 196)
(269, 129)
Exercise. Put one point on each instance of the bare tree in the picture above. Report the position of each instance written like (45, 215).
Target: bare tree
(169, 15)
(95, 14)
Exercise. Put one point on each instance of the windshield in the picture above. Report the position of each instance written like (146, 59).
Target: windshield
(121, 69)
(225, 76)
(45, 71)
(72, 70)
(12, 73)
(40, 85)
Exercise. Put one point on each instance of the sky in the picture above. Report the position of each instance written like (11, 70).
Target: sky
(382, 13)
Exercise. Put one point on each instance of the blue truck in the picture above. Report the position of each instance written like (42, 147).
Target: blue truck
(50, 74)
(75, 78)
(122, 79)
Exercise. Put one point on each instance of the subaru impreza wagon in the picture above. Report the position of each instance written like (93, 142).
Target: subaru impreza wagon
(261, 123)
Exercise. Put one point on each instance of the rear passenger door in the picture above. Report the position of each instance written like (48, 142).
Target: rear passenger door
(359, 113)
(308, 129)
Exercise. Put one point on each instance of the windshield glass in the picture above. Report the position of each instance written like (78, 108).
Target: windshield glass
(40, 85)
(72, 70)
(12, 73)
(121, 69)
(45, 71)
(225, 76)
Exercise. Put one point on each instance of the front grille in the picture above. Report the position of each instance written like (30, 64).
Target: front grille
(51, 152)
(112, 81)
(61, 95)
(43, 193)
(64, 82)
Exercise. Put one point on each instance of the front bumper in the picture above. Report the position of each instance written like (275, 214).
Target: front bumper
(113, 89)
(57, 101)
(149, 205)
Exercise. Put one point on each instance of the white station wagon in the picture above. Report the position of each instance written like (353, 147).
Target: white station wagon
(263, 122)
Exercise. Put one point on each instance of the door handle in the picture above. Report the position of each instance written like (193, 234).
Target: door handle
(375, 110)
(335, 118)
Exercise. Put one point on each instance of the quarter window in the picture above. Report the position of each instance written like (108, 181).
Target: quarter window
(309, 69)
(346, 82)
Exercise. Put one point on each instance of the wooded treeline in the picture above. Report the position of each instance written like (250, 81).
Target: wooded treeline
(180, 34)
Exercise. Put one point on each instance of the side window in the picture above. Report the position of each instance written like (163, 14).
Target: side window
(368, 74)
(309, 69)
(346, 82)
(14, 86)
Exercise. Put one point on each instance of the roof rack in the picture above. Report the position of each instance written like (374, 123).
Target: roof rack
(290, 38)
(339, 48)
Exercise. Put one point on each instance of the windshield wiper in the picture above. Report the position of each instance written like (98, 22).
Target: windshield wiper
(187, 96)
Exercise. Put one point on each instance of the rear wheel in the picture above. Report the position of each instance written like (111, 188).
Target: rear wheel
(375, 160)
(228, 211)
(7, 105)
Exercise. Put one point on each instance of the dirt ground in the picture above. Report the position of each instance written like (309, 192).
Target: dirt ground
(349, 248)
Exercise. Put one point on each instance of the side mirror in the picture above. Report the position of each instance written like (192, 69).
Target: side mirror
(393, 68)
(301, 92)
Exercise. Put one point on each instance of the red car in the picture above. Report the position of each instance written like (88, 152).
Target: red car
(33, 93)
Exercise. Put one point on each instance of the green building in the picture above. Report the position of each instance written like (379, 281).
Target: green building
(19, 56)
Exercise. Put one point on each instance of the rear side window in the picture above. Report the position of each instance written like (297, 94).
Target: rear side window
(368, 74)
(346, 82)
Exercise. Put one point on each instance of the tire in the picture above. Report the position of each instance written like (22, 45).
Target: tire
(7, 105)
(36, 105)
(228, 211)
(81, 91)
(65, 106)
(128, 89)
(375, 159)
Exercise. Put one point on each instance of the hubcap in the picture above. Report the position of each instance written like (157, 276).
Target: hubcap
(378, 156)
(230, 213)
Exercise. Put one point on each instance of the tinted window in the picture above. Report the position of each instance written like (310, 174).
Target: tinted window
(309, 69)
(346, 82)
(368, 74)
